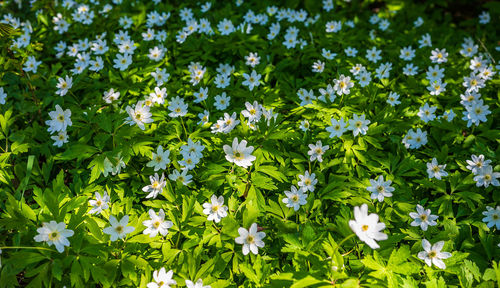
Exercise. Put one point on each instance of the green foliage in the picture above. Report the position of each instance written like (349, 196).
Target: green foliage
(311, 247)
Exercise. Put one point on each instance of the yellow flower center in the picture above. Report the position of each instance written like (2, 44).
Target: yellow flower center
(238, 155)
(54, 236)
(250, 239)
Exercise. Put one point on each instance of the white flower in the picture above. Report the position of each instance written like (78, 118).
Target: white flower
(317, 151)
(183, 177)
(338, 127)
(162, 279)
(118, 229)
(476, 113)
(111, 95)
(448, 115)
(410, 69)
(418, 22)
(304, 125)
(239, 153)
(54, 233)
(433, 255)
(295, 198)
(160, 76)
(492, 217)
(343, 85)
(215, 210)
(204, 117)
(358, 124)
(31, 65)
(439, 56)
(253, 59)
(305, 96)
(110, 167)
(415, 140)
(477, 163)
(64, 85)
(100, 203)
(436, 171)
(373, 55)
(364, 78)
(407, 53)
(199, 283)
(160, 159)
(156, 224)
(3, 95)
(200, 95)
(437, 87)
(60, 119)
(328, 92)
(158, 95)
(484, 17)
(155, 53)
(178, 107)
(222, 101)
(485, 176)
(307, 181)
(253, 112)
(423, 218)
(380, 188)
(473, 83)
(426, 113)
(139, 115)
(156, 186)
(392, 99)
(60, 138)
(251, 239)
(367, 226)
(122, 61)
(318, 66)
(225, 27)
(251, 80)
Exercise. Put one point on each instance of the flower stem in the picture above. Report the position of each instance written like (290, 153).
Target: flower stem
(182, 123)
(345, 239)
(26, 247)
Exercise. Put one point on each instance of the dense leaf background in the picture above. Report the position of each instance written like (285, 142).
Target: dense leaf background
(40, 182)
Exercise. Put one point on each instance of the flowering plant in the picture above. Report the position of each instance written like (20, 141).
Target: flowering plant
(245, 144)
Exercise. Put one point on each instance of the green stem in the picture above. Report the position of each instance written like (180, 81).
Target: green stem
(25, 247)
(178, 238)
(345, 239)
(183, 127)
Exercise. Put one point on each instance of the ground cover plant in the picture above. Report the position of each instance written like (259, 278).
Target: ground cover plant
(249, 144)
